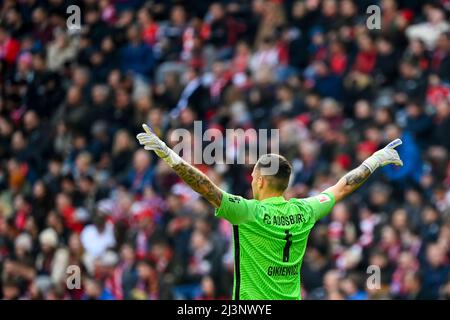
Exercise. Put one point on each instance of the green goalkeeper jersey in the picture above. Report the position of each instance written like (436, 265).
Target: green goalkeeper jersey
(270, 239)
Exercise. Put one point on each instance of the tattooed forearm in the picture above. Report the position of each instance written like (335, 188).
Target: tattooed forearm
(357, 176)
(349, 183)
(199, 182)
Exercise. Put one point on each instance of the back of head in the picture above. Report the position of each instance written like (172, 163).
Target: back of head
(276, 169)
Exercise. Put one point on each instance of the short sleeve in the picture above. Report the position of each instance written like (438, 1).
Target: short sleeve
(320, 205)
(236, 209)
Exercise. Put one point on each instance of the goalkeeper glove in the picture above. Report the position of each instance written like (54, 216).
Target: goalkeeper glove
(151, 142)
(385, 156)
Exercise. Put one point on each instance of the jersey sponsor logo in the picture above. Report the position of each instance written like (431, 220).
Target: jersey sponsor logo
(323, 198)
(281, 271)
(283, 220)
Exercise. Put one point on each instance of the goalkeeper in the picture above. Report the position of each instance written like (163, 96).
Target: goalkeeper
(270, 233)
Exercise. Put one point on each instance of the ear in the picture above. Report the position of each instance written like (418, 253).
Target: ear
(260, 182)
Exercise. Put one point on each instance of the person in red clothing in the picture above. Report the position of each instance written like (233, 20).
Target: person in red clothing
(337, 58)
(67, 210)
(367, 55)
(149, 27)
(360, 78)
(22, 211)
(9, 47)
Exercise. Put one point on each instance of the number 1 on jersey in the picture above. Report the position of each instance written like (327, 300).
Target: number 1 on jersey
(287, 246)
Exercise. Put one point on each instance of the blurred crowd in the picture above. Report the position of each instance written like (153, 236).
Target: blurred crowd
(76, 190)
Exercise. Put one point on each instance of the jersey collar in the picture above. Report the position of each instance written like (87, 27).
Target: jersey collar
(278, 199)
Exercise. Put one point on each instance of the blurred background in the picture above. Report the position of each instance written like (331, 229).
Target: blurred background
(75, 189)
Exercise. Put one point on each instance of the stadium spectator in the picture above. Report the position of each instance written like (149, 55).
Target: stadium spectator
(98, 237)
(137, 57)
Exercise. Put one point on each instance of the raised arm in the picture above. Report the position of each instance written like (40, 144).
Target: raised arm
(193, 177)
(355, 178)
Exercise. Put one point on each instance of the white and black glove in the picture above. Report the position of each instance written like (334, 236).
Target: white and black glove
(387, 155)
(151, 142)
